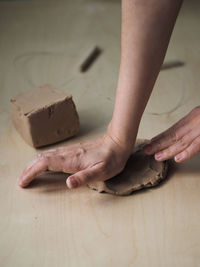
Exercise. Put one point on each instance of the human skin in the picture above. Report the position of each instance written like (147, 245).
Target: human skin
(145, 34)
(181, 141)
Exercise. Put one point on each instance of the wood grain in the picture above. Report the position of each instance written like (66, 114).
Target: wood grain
(48, 225)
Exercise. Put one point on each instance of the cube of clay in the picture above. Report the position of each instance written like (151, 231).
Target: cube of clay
(44, 116)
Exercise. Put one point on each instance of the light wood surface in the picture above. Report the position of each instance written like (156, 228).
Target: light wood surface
(49, 225)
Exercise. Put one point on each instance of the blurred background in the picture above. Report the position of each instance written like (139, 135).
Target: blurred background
(46, 41)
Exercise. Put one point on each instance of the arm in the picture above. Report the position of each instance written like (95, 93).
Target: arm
(146, 30)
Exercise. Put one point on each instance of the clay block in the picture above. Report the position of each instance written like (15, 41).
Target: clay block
(44, 116)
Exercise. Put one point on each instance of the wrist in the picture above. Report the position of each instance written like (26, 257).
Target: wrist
(122, 139)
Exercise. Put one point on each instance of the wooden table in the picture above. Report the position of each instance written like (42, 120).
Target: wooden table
(49, 225)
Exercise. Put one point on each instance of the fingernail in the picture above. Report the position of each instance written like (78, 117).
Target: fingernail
(159, 155)
(148, 148)
(177, 158)
(73, 182)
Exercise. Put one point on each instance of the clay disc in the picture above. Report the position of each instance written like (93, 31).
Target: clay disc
(141, 171)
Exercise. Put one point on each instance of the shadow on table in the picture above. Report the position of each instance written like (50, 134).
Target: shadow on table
(172, 168)
(50, 182)
(176, 170)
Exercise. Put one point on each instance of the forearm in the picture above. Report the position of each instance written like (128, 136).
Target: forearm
(146, 30)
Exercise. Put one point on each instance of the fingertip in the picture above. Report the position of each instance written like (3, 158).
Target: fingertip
(72, 182)
(21, 180)
(158, 158)
(178, 159)
(147, 149)
(22, 184)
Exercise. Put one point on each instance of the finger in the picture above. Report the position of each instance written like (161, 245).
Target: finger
(161, 142)
(84, 177)
(185, 120)
(48, 153)
(174, 133)
(168, 138)
(189, 152)
(29, 173)
(67, 160)
(56, 160)
(29, 166)
(44, 161)
(176, 148)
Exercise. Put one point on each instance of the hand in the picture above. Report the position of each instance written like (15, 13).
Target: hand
(99, 159)
(181, 141)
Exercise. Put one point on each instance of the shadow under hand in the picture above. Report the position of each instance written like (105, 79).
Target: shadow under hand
(50, 182)
(187, 169)
(173, 170)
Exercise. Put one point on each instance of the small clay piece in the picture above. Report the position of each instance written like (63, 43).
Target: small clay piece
(90, 59)
(141, 171)
(44, 116)
(172, 64)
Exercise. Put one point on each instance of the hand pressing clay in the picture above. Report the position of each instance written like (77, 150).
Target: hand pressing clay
(141, 171)
(44, 116)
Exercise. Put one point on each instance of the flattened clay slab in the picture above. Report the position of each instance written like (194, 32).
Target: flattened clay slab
(141, 171)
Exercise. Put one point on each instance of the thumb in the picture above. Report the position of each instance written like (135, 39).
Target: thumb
(83, 177)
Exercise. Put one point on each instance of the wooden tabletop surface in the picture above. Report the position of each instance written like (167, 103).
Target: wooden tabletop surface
(49, 225)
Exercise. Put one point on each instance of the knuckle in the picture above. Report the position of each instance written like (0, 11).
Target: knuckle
(43, 158)
(182, 143)
(43, 155)
(174, 136)
(40, 155)
(80, 151)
